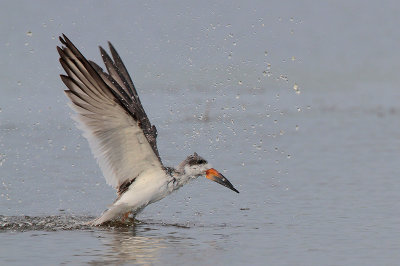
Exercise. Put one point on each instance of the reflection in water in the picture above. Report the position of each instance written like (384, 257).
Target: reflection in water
(149, 243)
(124, 245)
(121, 243)
(140, 242)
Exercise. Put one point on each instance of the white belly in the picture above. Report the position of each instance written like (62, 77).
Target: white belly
(149, 187)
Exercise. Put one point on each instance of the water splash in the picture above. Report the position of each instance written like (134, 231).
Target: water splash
(44, 223)
(76, 222)
(69, 222)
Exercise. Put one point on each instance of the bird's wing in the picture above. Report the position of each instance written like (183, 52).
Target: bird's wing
(109, 112)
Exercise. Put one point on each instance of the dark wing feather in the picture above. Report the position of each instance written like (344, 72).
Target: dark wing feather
(110, 114)
(117, 74)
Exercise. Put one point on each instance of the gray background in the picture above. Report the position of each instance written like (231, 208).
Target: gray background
(317, 170)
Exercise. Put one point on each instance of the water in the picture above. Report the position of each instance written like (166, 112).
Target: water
(317, 171)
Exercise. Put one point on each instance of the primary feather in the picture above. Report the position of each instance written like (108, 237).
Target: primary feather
(109, 112)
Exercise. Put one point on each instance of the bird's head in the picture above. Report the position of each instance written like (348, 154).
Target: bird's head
(196, 166)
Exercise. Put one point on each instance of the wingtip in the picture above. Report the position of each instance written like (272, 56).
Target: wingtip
(60, 50)
(66, 80)
(102, 51)
(62, 39)
(65, 38)
(66, 41)
(62, 76)
(111, 46)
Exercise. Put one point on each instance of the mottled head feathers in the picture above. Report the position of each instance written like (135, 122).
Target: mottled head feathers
(192, 160)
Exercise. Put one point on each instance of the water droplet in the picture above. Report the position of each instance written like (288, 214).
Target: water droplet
(283, 77)
(29, 33)
(2, 159)
(296, 88)
(266, 53)
(297, 127)
(19, 83)
(240, 82)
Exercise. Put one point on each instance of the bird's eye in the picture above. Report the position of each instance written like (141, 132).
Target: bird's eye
(201, 161)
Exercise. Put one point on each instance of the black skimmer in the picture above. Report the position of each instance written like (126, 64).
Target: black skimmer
(120, 135)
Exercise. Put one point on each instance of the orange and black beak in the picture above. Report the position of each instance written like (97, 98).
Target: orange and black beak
(216, 176)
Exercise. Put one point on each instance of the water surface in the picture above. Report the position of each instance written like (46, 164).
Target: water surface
(317, 170)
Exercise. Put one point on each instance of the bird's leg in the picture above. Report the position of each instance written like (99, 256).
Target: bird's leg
(125, 216)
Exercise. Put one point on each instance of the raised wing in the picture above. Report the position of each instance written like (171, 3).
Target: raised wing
(110, 114)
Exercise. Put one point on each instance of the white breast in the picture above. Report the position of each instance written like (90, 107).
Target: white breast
(149, 187)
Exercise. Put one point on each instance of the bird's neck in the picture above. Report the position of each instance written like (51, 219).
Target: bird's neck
(181, 178)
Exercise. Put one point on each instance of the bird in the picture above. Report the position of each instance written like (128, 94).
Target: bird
(108, 111)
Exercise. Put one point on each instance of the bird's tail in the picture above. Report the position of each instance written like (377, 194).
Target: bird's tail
(110, 214)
